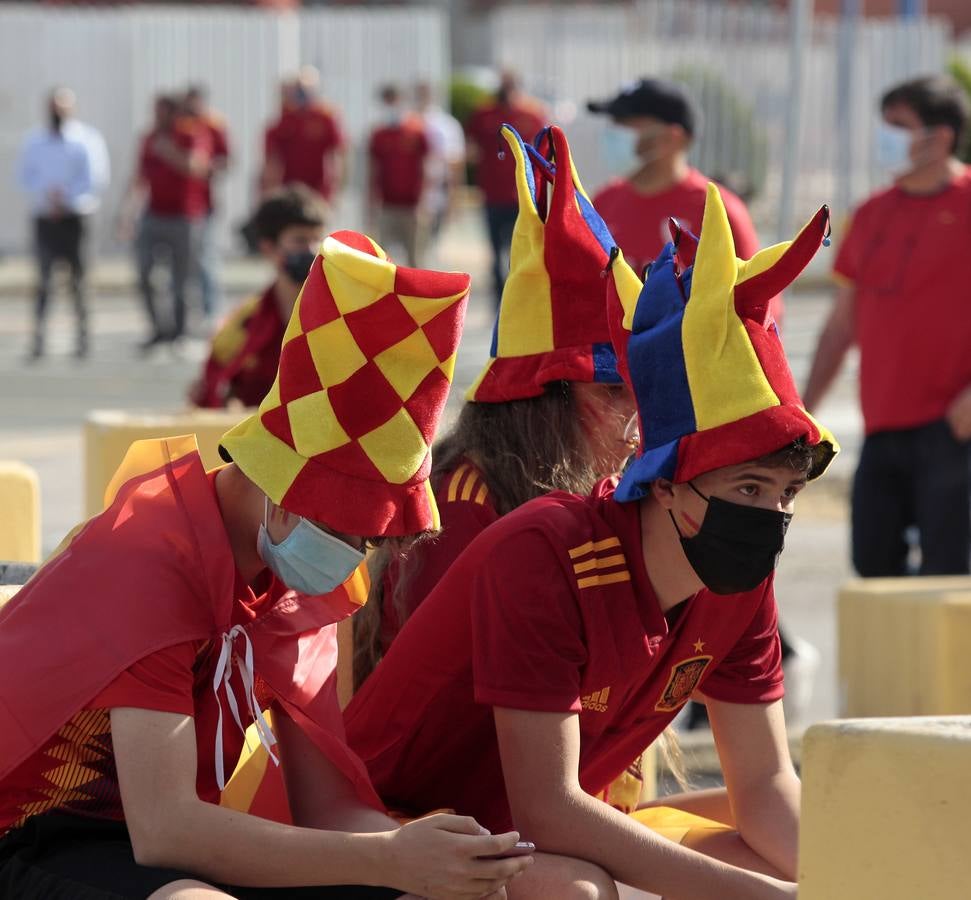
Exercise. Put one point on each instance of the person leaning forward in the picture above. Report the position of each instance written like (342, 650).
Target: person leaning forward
(568, 635)
(132, 662)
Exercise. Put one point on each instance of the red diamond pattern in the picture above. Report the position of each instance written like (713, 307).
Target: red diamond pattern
(352, 459)
(381, 325)
(277, 422)
(364, 401)
(426, 403)
(298, 374)
(442, 333)
(317, 306)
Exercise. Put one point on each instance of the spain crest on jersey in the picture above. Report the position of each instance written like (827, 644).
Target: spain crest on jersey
(685, 677)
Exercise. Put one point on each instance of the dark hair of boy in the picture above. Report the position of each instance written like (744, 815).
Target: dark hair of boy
(937, 100)
(293, 204)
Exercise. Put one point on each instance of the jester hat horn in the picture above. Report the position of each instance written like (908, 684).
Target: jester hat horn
(343, 436)
(552, 322)
(703, 356)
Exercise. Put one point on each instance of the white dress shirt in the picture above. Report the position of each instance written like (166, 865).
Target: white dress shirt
(72, 164)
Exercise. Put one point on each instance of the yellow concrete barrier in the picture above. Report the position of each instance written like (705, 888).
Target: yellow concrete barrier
(109, 433)
(903, 646)
(885, 810)
(20, 522)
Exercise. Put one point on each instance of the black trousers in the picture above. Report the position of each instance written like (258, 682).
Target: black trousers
(60, 240)
(57, 856)
(499, 223)
(912, 479)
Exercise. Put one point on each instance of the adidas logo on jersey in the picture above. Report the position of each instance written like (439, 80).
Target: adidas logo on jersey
(597, 701)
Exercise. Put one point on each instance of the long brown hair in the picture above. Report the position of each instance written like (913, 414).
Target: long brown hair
(524, 449)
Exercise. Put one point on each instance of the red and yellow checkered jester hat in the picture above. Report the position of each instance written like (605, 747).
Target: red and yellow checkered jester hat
(552, 322)
(343, 436)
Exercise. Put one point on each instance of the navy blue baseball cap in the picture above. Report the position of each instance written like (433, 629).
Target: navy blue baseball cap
(663, 100)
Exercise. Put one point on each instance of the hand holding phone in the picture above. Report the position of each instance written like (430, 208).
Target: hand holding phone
(523, 848)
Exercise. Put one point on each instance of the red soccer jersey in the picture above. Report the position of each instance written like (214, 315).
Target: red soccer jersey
(398, 153)
(215, 129)
(495, 175)
(465, 511)
(550, 609)
(172, 192)
(639, 222)
(75, 769)
(907, 258)
(303, 141)
(244, 356)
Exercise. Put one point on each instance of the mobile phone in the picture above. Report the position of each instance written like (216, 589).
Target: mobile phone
(523, 848)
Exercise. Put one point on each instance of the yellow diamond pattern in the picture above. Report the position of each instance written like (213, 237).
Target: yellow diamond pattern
(396, 448)
(335, 352)
(424, 309)
(407, 363)
(314, 426)
(358, 280)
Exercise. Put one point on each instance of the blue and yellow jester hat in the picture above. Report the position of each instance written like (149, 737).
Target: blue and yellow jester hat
(703, 356)
(552, 322)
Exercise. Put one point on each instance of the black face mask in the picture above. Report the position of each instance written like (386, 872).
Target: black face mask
(297, 265)
(737, 546)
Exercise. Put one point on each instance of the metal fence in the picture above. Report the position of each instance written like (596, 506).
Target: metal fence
(736, 60)
(117, 58)
(734, 57)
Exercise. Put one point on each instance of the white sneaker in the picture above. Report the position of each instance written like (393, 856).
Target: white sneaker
(800, 670)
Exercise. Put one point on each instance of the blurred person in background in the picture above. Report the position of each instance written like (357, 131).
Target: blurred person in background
(903, 271)
(653, 124)
(445, 167)
(398, 151)
(245, 352)
(646, 145)
(63, 169)
(307, 143)
(494, 172)
(202, 116)
(170, 188)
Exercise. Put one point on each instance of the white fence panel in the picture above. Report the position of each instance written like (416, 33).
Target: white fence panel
(116, 59)
(735, 60)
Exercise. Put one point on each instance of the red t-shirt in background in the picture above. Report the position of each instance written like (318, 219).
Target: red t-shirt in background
(907, 257)
(172, 192)
(550, 609)
(639, 221)
(398, 153)
(495, 175)
(303, 141)
(215, 129)
(465, 510)
(75, 770)
(244, 354)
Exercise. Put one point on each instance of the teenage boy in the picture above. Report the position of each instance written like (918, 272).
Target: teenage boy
(903, 269)
(289, 226)
(132, 662)
(569, 634)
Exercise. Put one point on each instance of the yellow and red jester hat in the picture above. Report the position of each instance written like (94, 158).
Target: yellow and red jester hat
(552, 322)
(343, 436)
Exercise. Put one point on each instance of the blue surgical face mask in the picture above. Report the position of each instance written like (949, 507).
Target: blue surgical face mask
(308, 560)
(893, 147)
(620, 149)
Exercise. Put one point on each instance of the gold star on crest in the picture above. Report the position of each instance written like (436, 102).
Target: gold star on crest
(699, 645)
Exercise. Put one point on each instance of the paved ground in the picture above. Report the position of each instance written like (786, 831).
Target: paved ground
(43, 405)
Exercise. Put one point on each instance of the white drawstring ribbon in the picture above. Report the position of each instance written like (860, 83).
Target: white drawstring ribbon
(223, 674)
